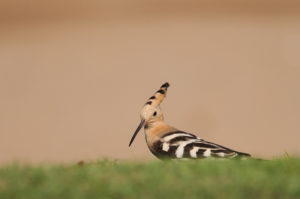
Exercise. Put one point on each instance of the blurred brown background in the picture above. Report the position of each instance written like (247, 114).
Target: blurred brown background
(74, 75)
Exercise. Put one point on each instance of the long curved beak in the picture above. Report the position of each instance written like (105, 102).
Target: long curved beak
(136, 131)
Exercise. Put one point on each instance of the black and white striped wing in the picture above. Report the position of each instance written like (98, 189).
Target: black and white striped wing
(179, 144)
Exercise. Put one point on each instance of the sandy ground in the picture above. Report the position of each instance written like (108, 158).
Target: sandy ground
(74, 75)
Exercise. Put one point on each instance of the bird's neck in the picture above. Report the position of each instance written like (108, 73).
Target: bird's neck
(155, 130)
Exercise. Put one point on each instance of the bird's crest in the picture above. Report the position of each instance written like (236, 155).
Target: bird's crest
(154, 101)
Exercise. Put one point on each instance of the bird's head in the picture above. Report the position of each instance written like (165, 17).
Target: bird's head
(151, 111)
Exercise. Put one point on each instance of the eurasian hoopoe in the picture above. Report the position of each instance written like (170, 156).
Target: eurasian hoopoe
(165, 141)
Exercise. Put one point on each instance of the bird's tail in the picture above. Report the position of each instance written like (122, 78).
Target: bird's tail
(241, 154)
(247, 156)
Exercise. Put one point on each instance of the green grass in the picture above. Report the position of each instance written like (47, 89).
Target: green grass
(156, 179)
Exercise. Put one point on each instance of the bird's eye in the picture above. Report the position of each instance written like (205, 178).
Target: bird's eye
(154, 114)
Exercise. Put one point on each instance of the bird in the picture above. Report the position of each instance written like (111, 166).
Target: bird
(167, 142)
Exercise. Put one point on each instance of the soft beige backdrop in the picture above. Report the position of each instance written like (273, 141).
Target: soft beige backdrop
(74, 75)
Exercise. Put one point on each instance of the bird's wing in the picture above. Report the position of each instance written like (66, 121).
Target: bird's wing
(180, 144)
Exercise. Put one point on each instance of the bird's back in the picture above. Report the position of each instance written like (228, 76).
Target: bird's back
(179, 144)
